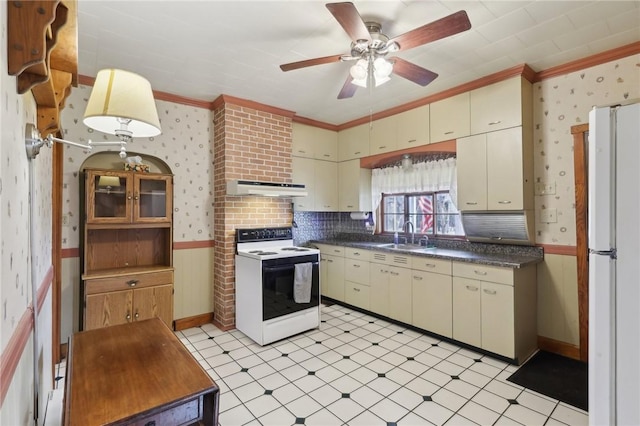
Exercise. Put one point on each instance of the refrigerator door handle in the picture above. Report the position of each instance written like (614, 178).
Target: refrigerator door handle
(613, 254)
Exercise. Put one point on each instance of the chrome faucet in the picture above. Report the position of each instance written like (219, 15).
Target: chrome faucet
(413, 230)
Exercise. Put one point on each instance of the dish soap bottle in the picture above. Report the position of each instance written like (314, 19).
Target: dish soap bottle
(395, 238)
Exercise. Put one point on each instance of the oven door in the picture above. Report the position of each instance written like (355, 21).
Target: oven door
(278, 279)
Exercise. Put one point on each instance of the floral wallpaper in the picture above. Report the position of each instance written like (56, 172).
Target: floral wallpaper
(184, 145)
(558, 104)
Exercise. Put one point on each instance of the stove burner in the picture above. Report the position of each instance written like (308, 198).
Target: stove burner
(262, 253)
(294, 249)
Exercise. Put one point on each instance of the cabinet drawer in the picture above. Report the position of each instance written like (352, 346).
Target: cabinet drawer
(428, 264)
(356, 294)
(123, 282)
(356, 253)
(331, 250)
(474, 271)
(183, 414)
(356, 271)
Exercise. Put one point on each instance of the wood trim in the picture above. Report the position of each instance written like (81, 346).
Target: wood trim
(562, 250)
(43, 289)
(589, 61)
(194, 321)
(314, 123)
(524, 70)
(581, 185)
(185, 245)
(13, 351)
(56, 251)
(558, 347)
(70, 252)
(379, 160)
(226, 99)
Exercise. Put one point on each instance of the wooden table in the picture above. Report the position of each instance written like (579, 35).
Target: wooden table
(136, 374)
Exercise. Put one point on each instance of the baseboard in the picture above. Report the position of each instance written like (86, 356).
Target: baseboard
(558, 347)
(194, 321)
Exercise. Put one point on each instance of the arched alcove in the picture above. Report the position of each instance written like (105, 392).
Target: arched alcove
(112, 160)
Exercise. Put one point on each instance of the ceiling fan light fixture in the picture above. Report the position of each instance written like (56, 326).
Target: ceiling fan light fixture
(382, 67)
(359, 71)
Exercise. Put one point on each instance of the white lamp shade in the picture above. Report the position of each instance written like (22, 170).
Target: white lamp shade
(125, 95)
(110, 181)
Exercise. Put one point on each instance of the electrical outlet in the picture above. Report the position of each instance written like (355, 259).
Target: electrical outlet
(542, 188)
(548, 216)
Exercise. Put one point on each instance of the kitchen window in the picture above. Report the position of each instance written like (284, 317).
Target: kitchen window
(431, 213)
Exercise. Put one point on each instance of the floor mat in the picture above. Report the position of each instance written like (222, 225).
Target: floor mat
(555, 376)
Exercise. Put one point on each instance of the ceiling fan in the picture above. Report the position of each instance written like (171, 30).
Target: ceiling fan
(370, 47)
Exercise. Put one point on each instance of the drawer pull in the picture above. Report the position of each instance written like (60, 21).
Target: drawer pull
(136, 315)
(491, 292)
(350, 207)
(128, 317)
(132, 283)
(382, 147)
(448, 133)
(415, 277)
(411, 140)
(395, 273)
(504, 202)
(471, 203)
(355, 253)
(475, 271)
(494, 122)
(336, 251)
(327, 155)
(302, 152)
(356, 265)
(329, 260)
(356, 289)
(472, 288)
(357, 152)
(430, 265)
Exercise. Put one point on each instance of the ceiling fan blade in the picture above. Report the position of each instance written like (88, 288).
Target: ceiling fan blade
(445, 27)
(348, 90)
(347, 15)
(412, 72)
(310, 62)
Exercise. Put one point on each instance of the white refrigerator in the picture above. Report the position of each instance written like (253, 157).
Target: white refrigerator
(614, 265)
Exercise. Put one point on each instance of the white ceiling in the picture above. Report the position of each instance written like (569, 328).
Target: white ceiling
(202, 49)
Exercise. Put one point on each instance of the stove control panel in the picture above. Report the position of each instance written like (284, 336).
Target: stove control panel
(263, 234)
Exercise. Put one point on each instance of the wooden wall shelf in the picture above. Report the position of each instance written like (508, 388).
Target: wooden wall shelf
(43, 54)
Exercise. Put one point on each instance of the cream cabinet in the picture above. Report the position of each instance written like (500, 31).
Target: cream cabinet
(500, 105)
(413, 128)
(356, 278)
(332, 271)
(494, 308)
(495, 171)
(321, 181)
(432, 295)
(383, 135)
(390, 282)
(354, 192)
(314, 142)
(353, 142)
(379, 288)
(449, 118)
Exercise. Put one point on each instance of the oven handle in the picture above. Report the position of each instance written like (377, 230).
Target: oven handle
(283, 267)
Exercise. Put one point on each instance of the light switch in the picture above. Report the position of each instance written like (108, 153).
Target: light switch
(543, 188)
(548, 216)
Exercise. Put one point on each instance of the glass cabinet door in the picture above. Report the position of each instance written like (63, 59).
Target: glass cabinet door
(110, 196)
(152, 196)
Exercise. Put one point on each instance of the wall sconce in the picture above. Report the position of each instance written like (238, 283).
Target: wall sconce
(121, 104)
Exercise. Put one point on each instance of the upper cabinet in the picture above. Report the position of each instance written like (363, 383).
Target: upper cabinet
(450, 118)
(500, 105)
(119, 197)
(383, 135)
(314, 142)
(413, 128)
(354, 192)
(353, 142)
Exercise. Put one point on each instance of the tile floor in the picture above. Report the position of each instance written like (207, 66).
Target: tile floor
(360, 370)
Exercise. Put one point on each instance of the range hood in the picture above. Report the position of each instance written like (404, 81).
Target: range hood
(499, 227)
(265, 189)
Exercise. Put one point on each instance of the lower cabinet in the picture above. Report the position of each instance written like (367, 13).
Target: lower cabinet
(466, 311)
(356, 294)
(356, 278)
(400, 294)
(379, 288)
(497, 318)
(127, 298)
(432, 302)
(332, 271)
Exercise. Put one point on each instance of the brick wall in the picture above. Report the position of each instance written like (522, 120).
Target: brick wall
(249, 144)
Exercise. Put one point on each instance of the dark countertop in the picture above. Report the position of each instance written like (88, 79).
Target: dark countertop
(493, 259)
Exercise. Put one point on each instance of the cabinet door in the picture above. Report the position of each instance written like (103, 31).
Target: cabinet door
(496, 106)
(449, 118)
(154, 302)
(334, 284)
(303, 171)
(400, 304)
(353, 142)
(498, 319)
(505, 170)
(413, 128)
(471, 169)
(302, 143)
(466, 311)
(432, 302)
(326, 186)
(356, 271)
(105, 309)
(384, 133)
(109, 196)
(356, 294)
(152, 196)
(325, 144)
(379, 289)
(354, 183)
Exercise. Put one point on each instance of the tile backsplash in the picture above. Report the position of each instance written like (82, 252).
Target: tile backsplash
(308, 226)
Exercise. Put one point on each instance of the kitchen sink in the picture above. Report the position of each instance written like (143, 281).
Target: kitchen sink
(402, 246)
